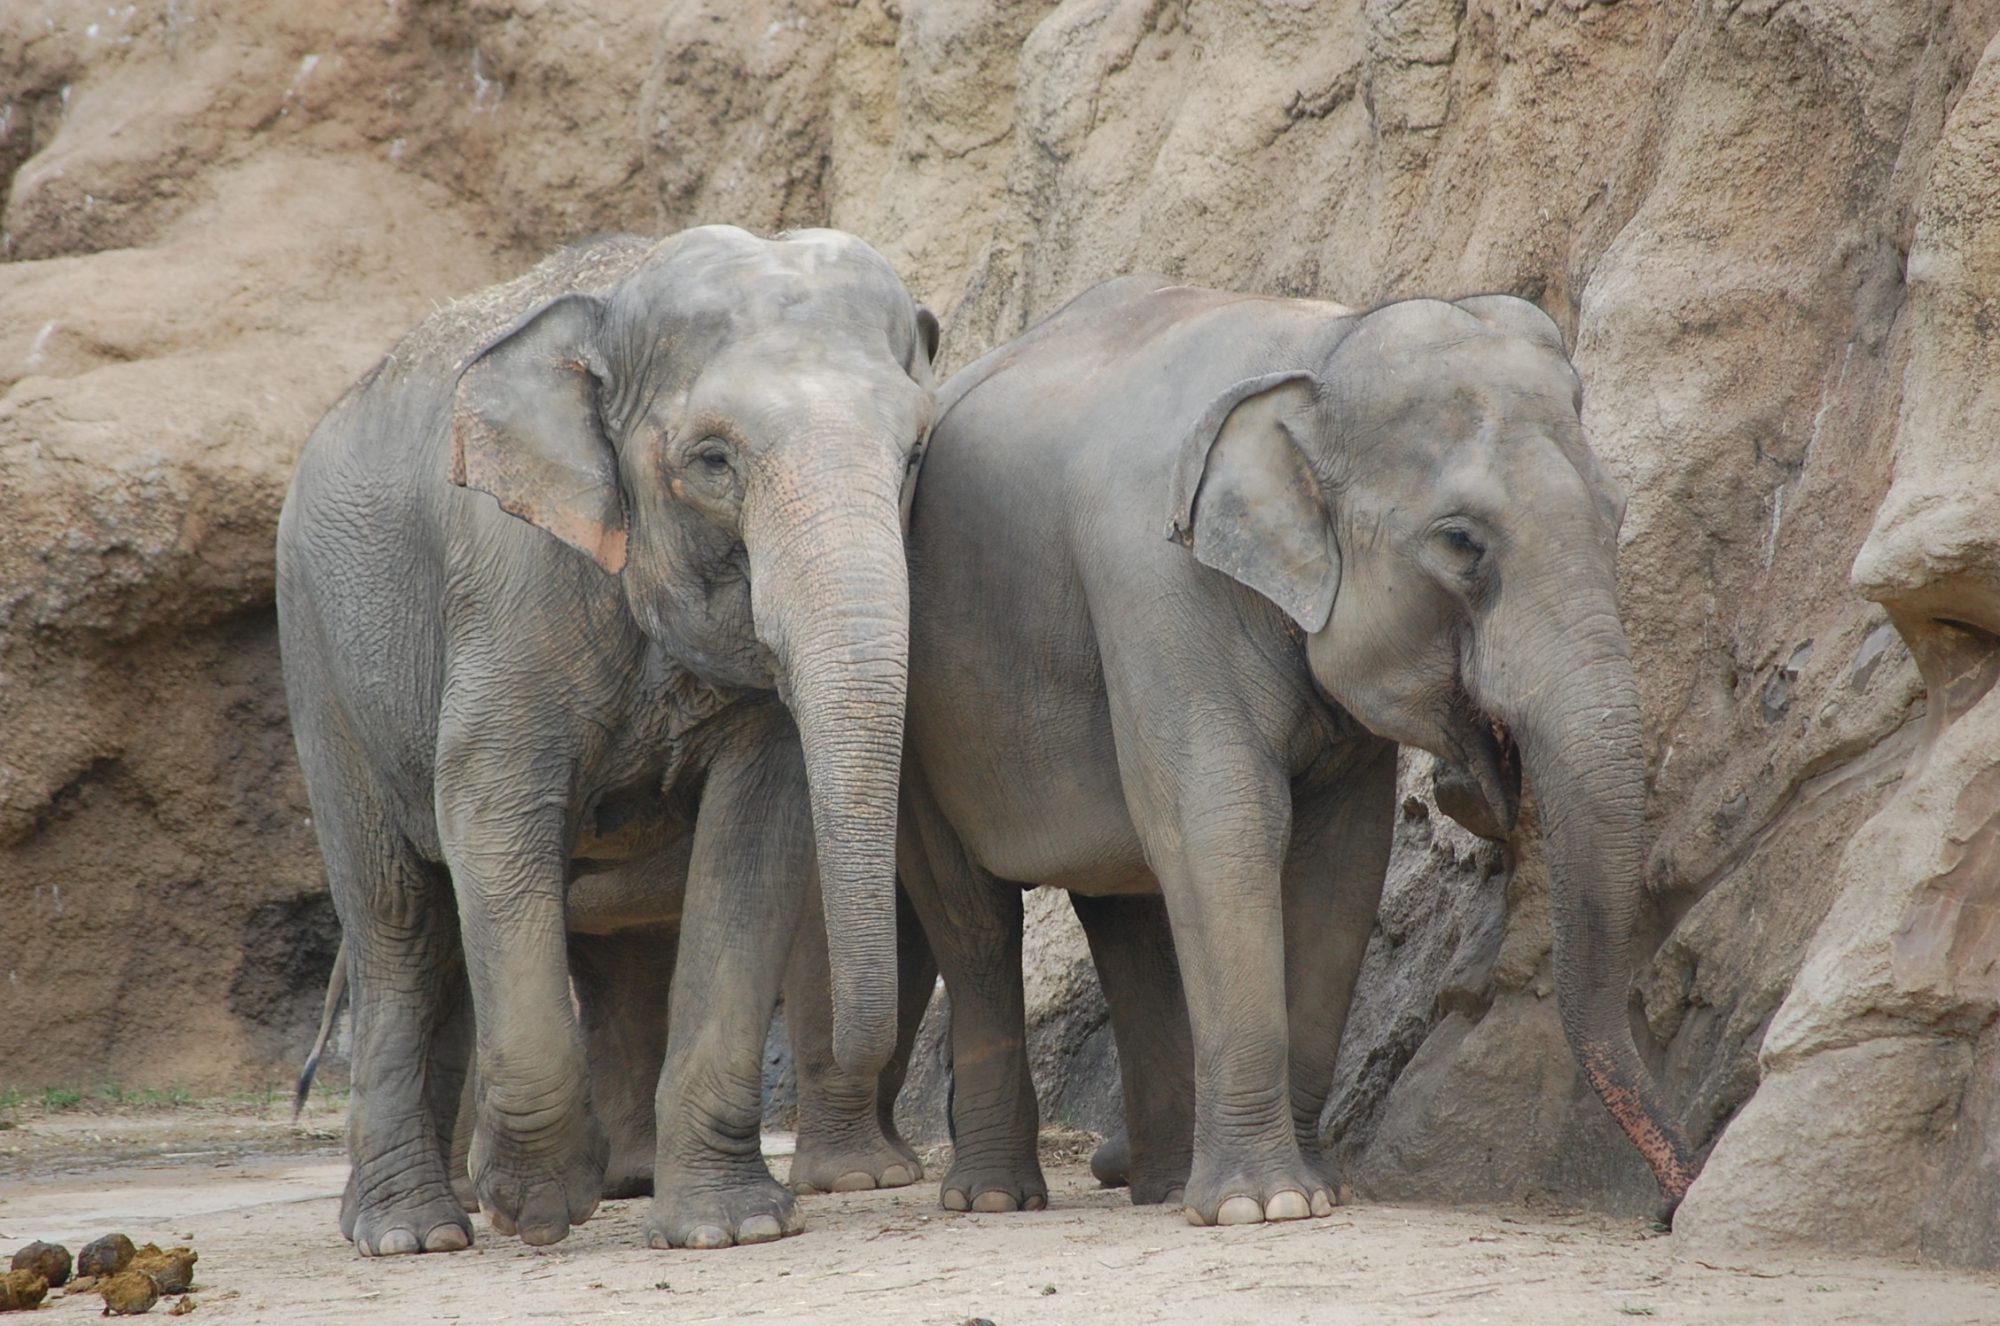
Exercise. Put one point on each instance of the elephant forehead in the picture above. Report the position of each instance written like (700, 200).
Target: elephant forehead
(729, 278)
(789, 379)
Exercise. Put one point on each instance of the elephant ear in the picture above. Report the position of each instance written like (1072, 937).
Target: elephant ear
(525, 427)
(927, 341)
(1509, 313)
(1246, 500)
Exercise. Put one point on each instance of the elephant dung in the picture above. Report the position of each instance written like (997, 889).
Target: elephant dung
(129, 1293)
(172, 1271)
(106, 1256)
(48, 1260)
(22, 1289)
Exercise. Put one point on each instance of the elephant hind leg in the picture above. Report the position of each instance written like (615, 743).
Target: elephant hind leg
(621, 987)
(1133, 947)
(847, 1130)
(973, 922)
(411, 1030)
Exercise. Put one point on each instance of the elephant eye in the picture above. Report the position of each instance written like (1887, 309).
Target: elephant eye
(1461, 542)
(713, 458)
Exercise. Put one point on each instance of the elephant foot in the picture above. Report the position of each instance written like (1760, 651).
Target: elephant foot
(419, 1223)
(539, 1195)
(853, 1164)
(1244, 1196)
(629, 1172)
(992, 1188)
(1111, 1163)
(622, 1182)
(689, 1211)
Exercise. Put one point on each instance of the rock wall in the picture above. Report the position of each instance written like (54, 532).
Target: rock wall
(1766, 226)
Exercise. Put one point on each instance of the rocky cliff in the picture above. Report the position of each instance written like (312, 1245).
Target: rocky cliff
(1771, 229)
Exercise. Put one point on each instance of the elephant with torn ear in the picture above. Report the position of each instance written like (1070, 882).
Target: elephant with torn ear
(1187, 566)
(597, 576)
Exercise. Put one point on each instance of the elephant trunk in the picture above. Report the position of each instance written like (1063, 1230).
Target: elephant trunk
(1568, 696)
(830, 593)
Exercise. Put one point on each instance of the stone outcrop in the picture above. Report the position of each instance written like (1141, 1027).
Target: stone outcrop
(1767, 227)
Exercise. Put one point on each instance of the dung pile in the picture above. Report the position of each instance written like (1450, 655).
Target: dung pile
(130, 1279)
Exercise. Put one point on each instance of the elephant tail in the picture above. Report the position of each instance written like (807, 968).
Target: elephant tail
(336, 990)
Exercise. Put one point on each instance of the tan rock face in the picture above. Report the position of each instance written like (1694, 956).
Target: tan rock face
(1768, 229)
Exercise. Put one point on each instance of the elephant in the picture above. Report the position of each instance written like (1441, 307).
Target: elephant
(1187, 566)
(595, 584)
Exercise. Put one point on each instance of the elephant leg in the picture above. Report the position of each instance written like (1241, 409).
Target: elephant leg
(974, 925)
(847, 1129)
(753, 853)
(1216, 827)
(460, 1165)
(538, 1154)
(1333, 884)
(409, 1010)
(1133, 947)
(621, 989)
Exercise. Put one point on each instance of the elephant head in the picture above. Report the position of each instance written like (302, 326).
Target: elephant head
(727, 431)
(1423, 504)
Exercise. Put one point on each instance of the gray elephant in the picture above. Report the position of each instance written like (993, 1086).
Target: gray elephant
(598, 577)
(1187, 565)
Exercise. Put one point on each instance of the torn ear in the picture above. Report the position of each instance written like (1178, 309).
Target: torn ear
(1247, 501)
(525, 427)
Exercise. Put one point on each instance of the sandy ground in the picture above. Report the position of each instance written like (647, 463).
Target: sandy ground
(258, 1199)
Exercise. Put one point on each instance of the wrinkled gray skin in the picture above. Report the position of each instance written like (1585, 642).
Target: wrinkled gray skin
(594, 583)
(847, 1139)
(1186, 566)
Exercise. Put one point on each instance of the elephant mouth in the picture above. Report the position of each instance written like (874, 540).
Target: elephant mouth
(1482, 789)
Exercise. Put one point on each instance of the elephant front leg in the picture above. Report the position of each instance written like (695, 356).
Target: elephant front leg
(847, 1132)
(746, 883)
(1221, 874)
(1333, 886)
(538, 1155)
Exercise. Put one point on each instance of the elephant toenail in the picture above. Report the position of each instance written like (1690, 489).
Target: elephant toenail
(708, 1236)
(502, 1223)
(659, 1241)
(1174, 1197)
(1035, 1202)
(1322, 1203)
(854, 1181)
(993, 1203)
(954, 1200)
(1193, 1214)
(1287, 1205)
(450, 1237)
(896, 1177)
(1240, 1211)
(542, 1235)
(396, 1243)
(759, 1229)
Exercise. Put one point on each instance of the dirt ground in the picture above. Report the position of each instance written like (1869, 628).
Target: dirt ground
(258, 1198)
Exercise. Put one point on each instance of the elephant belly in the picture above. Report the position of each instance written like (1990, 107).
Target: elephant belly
(1069, 833)
(608, 897)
